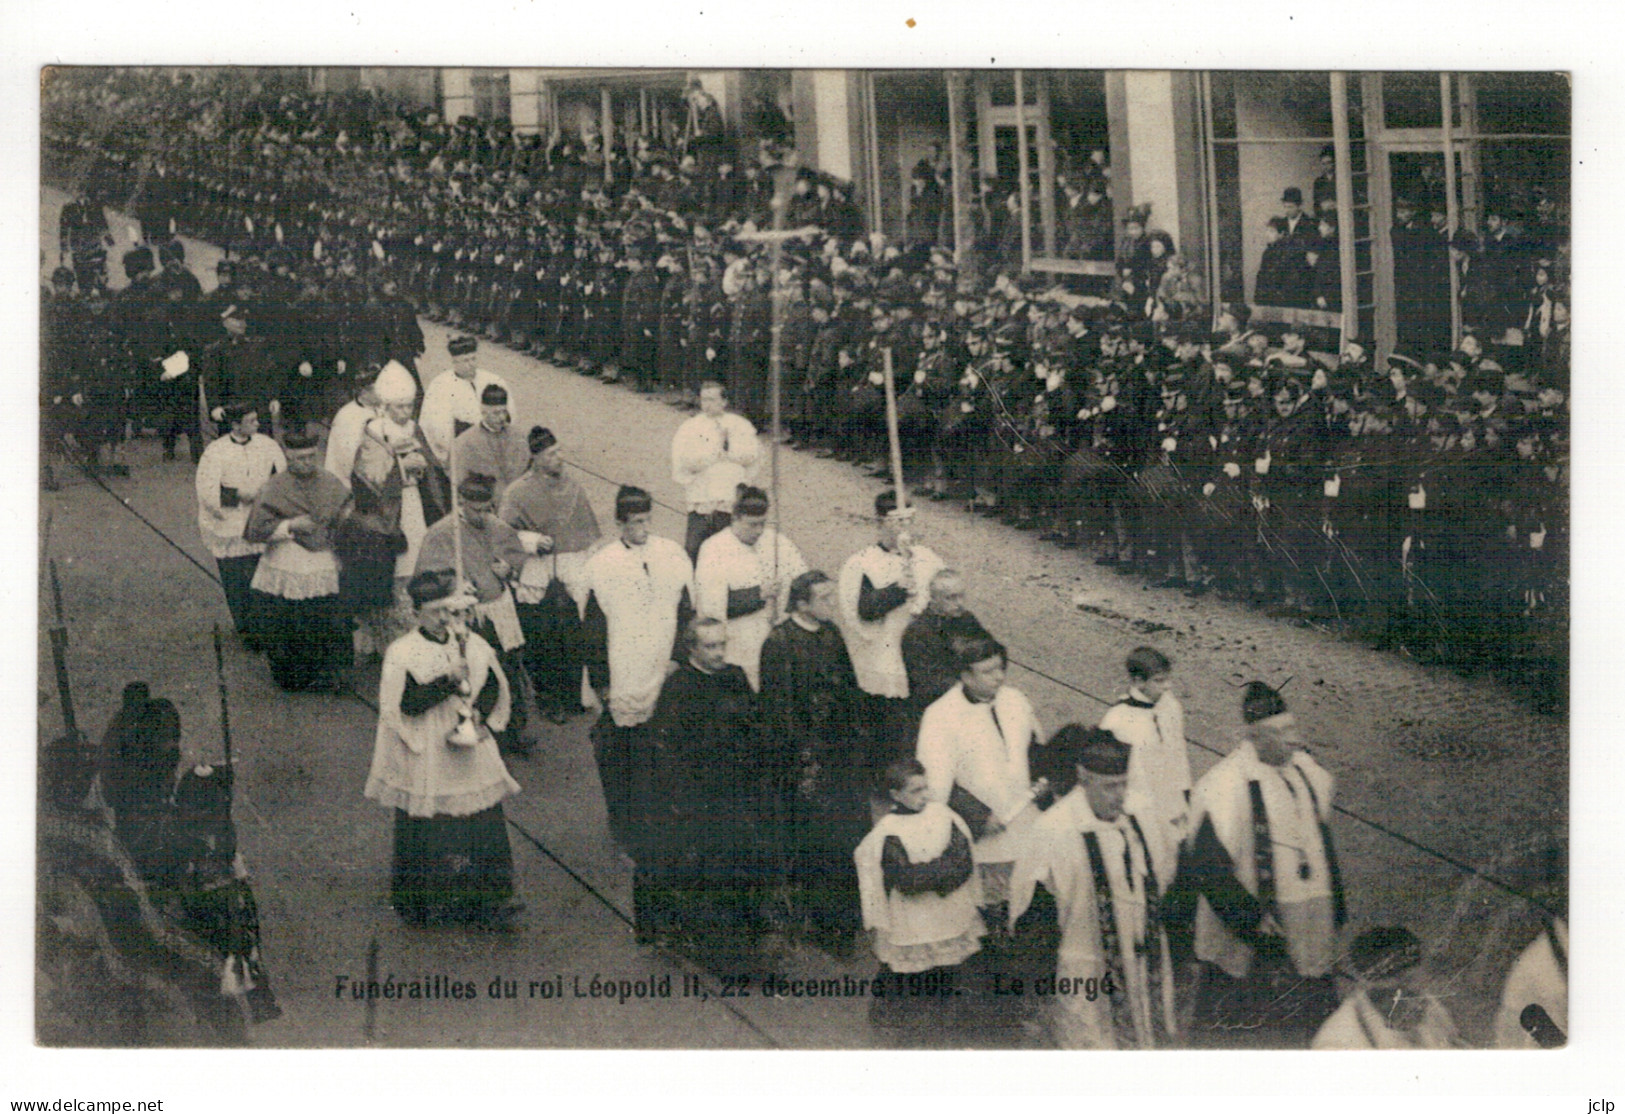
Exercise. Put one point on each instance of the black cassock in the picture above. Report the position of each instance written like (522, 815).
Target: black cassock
(822, 778)
(698, 789)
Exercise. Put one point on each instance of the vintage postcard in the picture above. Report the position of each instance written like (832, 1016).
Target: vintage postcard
(946, 556)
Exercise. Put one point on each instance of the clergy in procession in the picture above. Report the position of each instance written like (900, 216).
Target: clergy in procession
(451, 402)
(698, 777)
(1391, 1004)
(296, 583)
(394, 436)
(639, 589)
(919, 891)
(492, 556)
(388, 472)
(928, 643)
(976, 743)
(812, 711)
(743, 578)
(882, 588)
(494, 446)
(435, 763)
(1089, 878)
(1151, 720)
(1268, 884)
(1534, 1009)
(229, 477)
(712, 453)
(559, 530)
(349, 426)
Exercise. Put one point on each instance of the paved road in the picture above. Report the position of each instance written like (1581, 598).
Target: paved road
(1438, 776)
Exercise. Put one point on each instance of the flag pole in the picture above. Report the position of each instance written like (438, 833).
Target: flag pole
(456, 512)
(775, 357)
(59, 659)
(891, 430)
(459, 635)
(220, 680)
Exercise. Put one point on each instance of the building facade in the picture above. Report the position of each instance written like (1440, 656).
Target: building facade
(1209, 155)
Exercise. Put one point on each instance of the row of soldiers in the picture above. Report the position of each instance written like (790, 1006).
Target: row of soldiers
(695, 826)
(111, 363)
(1236, 459)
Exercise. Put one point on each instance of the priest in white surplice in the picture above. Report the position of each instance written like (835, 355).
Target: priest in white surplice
(451, 401)
(712, 453)
(1093, 869)
(348, 431)
(917, 883)
(882, 588)
(229, 477)
(1151, 720)
(639, 589)
(1270, 887)
(974, 744)
(435, 763)
(743, 578)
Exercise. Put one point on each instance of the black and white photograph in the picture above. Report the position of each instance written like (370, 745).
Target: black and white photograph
(688, 558)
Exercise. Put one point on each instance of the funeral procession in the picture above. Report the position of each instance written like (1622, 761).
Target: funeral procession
(802, 559)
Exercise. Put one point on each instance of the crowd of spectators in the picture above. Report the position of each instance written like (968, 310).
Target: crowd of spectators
(1421, 500)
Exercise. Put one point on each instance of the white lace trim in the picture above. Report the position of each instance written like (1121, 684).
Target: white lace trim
(450, 804)
(910, 958)
(290, 585)
(231, 547)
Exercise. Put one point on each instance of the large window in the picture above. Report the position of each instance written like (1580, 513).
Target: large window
(1375, 182)
(1445, 191)
(1473, 170)
(1277, 224)
(1029, 145)
(1044, 153)
(906, 120)
(490, 92)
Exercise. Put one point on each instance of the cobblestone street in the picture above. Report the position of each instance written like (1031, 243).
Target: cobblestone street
(1444, 782)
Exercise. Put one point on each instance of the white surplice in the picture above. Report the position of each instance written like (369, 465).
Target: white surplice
(727, 564)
